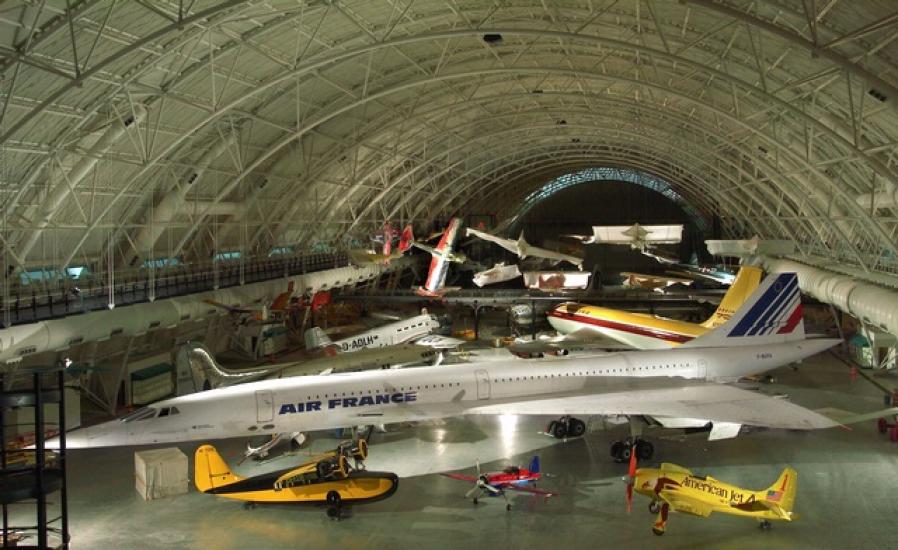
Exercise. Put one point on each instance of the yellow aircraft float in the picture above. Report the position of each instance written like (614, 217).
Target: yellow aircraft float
(673, 487)
(327, 479)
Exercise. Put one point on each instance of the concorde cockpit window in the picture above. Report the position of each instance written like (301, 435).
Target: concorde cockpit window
(140, 414)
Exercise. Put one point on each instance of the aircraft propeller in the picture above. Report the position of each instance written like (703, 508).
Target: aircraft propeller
(481, 484)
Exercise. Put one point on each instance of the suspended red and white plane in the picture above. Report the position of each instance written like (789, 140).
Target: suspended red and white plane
(442, 256)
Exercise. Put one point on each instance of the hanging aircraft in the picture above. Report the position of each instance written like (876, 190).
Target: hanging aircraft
(263, 313)
(511, 478)
(523, 249)
(581, 325)
(675, 488)
(685, 383)
(639, 237)
(497, 274)
(442, 255)
(325, 479)
(652, 281)
(362, 257)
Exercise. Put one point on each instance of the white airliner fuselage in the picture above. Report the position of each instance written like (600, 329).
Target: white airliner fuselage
(386, 396)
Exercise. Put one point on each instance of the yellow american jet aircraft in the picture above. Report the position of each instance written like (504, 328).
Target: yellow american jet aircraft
(327, 478)
(673, 487)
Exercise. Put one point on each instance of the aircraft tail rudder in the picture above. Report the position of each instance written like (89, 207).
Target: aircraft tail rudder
(316, 338)
(534, 464)
(406, 238)
(199, 371)
(747, 280)
(772, 314)
(781, 494)
(210, 470)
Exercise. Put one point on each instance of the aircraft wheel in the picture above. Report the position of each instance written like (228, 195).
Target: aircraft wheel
(625, 453)
(654, 507)
(657, 531)
(765, 525)
(508, 507)
(559, 431)
(332, 499)
(576, 427)
(882, 425)
(616, 449)
(475, 500)
(644, 450)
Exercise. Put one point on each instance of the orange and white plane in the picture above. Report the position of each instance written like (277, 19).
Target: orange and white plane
(442, 255)
(585, 324)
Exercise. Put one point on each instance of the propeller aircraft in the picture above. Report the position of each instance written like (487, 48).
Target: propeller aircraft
(325, 479)
(673, 487)
(511, 478)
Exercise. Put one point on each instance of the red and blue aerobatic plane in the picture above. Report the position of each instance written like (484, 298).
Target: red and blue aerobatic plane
(510, 478)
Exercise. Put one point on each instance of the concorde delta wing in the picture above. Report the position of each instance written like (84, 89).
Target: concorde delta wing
(672, 397)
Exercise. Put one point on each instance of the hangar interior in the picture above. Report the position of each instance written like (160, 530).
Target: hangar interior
(187, 184)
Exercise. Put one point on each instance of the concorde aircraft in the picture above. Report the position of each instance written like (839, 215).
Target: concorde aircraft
(681, 383)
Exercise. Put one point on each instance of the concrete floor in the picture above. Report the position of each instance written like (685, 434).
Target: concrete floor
(846, 496)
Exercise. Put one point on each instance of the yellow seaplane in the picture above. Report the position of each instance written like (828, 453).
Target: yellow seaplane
(673, 487)
(327, 478)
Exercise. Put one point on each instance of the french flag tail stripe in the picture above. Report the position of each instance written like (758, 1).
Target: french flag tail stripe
(769, 299)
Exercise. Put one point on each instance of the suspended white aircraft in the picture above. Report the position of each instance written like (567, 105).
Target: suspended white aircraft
(497, 274)
(523, 249)
(679, 384)
(639, 237)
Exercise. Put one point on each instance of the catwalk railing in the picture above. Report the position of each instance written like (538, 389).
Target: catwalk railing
(40, 300)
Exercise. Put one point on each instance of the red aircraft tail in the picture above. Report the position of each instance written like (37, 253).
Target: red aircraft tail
(406, 238)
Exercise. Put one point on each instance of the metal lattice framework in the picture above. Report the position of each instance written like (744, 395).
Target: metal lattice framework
(608, 174)
(132, 130)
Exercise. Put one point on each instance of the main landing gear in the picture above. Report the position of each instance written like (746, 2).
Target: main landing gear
(334, 505)
(621, 450)
(566, 426)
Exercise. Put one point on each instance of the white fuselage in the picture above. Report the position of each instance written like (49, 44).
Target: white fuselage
(386, 396)
(390, 334)
(633, 336)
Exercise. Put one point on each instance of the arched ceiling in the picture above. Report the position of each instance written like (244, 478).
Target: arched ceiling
(146, 128)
